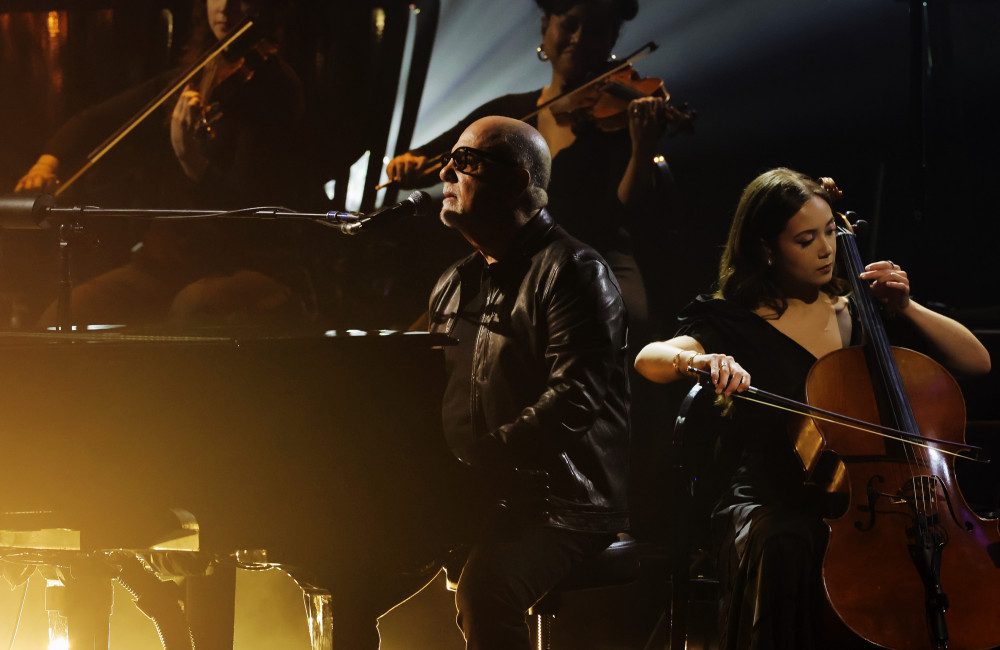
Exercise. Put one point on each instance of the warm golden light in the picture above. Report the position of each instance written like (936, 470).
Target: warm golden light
(53, 24)
(58, 632)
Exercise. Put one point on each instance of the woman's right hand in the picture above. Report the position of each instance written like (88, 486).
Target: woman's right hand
(410, 171)
(41, 177)
(728, 376)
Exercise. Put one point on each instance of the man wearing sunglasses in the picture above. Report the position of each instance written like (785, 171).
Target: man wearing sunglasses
(537, 395)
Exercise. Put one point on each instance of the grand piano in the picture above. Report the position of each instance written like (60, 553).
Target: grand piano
(159, 455)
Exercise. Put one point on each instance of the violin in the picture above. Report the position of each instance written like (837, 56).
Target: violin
(908, 563)
(604, 103)
(227, 84)
(243, 30)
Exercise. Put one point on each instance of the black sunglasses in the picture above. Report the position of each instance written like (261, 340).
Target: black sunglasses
(468, 159)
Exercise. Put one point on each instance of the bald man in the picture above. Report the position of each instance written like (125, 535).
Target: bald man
(537, 395)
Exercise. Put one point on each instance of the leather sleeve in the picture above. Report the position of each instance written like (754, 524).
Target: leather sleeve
(584, 317)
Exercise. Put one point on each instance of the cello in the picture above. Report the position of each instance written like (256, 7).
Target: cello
(908, 563)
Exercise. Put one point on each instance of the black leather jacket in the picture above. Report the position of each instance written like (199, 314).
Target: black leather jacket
(549, 373)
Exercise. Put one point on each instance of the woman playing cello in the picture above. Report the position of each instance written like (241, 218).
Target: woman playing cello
(778, 308)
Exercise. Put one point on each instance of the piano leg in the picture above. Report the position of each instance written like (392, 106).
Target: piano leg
(80, 610)
(360, 604)
(211, 607)
(354, 629)
(158, 599)
(320, 617)
(210, 584)
(269, 584)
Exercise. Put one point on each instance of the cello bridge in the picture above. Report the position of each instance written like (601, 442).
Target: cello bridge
(920, 491)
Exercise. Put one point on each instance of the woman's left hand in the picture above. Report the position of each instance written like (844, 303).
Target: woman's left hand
(889, 283)
(184, 134)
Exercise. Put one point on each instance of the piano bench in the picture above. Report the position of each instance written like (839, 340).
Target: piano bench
(616, 565)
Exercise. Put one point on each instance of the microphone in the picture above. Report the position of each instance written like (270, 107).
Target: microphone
(416, 204)
(25, 211)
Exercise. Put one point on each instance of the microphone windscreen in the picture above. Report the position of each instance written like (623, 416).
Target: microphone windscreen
(422, 203)
(25, 211)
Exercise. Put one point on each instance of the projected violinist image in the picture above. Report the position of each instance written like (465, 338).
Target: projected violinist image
(225, 132)
(444, 324)
(229, 113)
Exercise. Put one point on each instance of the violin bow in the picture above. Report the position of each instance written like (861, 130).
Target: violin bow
(156, 102)
(793, 406)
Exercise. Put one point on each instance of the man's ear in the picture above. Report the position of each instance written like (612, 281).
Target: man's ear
(545, 24)
(520, 181)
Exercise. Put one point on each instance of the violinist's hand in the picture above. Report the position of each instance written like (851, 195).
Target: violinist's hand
(41, 177)
(183, 134)
(411, 171)
(647, 122)
(889, 284)
(728, 376)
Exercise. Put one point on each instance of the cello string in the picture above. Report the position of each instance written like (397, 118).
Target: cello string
(880, 347)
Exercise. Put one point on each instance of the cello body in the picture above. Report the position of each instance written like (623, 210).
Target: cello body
(908, 564)
(887, 583)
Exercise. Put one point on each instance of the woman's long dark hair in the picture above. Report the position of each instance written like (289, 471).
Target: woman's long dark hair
(201, 37)
(767, 204)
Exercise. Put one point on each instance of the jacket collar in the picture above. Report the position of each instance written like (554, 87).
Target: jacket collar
(529, 239)
(532, 235)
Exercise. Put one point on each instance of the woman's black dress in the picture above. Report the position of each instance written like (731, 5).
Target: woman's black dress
(766, 526)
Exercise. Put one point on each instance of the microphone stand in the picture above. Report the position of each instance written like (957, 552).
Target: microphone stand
(41, 212)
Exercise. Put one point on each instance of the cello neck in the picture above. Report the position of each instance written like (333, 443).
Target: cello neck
(881, 362)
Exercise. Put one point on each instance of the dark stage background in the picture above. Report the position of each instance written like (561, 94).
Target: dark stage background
(893, 99)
